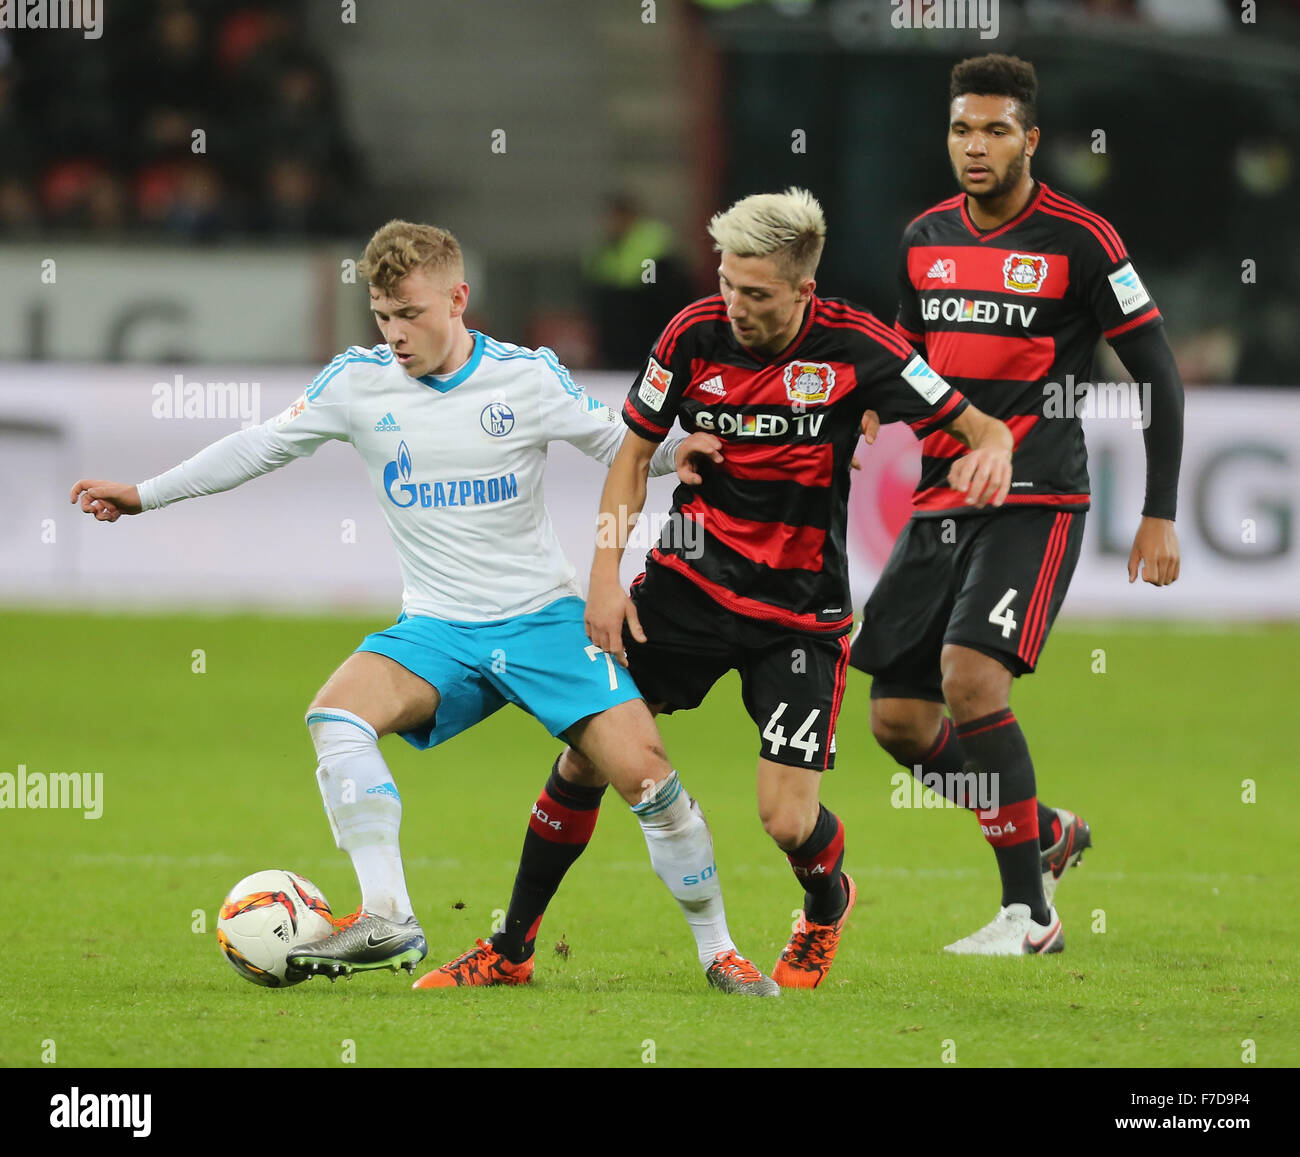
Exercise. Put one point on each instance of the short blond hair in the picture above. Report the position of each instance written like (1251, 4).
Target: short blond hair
(789, 226)
(401, 247)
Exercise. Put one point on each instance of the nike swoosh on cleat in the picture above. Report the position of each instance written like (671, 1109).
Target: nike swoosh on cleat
(1063, 861)
(371, 942)
(1036, 946)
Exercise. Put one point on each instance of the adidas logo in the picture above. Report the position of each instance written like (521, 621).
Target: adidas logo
(713, 386)
(943, 269)
(386, 425)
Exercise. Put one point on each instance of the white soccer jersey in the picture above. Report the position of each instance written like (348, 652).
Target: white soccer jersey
(456, 461)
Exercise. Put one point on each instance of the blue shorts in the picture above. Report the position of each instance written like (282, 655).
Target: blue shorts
(543, 662)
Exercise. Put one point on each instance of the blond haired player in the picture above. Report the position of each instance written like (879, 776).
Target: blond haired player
(778, 380)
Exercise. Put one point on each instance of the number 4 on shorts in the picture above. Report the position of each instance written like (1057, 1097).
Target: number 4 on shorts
(1001, 616)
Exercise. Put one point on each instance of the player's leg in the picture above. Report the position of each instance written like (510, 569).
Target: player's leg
(560, 826)
(409, 680)
(1018, 567)
(367, 697)
(792, 686)
(900, 643)
(618, 743)
(625, 746)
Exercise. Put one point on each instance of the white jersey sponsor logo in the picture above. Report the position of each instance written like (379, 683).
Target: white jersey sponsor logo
(1128, 288)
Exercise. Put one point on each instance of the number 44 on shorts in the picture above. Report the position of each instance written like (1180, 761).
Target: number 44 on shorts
(1001, 616)
(804, 739)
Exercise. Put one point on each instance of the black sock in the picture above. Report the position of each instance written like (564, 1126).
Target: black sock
(560, 827)
(817, 863)
(937, 767)
(947, 756)
(999, 756)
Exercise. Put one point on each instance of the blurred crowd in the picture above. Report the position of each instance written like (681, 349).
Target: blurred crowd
(190, 119)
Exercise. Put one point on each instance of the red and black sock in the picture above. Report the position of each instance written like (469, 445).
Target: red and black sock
(817, 863)
(947, 757)
(560, 827)
(995, 747)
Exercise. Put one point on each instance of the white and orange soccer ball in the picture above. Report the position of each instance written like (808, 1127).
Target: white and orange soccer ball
(263, 917)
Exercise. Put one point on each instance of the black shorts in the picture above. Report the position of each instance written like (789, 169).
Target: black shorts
(991, 582)
(791, 682)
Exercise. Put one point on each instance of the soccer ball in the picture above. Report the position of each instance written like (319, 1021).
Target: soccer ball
(263, 917)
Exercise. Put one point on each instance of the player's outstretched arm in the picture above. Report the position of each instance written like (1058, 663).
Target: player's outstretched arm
(983, 475)
(608, 604)
(107, 501)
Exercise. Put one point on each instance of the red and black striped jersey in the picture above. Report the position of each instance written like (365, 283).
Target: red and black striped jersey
(769, 523)
(1011, 317)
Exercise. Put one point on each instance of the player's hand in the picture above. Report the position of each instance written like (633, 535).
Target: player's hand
(1155, 546)
(608, 607)
(870, 428)
(691, 455)
(983, 475)
(107, 501)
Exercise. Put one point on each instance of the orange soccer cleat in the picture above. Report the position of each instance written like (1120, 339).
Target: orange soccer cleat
(807, 958)
(481, 965)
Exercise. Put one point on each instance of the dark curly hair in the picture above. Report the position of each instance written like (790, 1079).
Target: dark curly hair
(998, 75)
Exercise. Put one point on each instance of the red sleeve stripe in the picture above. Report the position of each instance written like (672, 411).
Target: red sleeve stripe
(1151, 314)
(840, 317)
(951, 203)
(710, 309)
(1031, 638)
(941, 416)
(1050, 197)
(873, 324)
(917, 339)
(774, 544)
(887, 337)
(642, 424)
(1111, 251)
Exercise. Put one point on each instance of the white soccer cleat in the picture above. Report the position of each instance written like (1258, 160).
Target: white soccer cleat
(1013, 932)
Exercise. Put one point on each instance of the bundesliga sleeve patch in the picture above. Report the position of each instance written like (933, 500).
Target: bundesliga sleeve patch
(1128, 288)
(654, 385)
(924, 380)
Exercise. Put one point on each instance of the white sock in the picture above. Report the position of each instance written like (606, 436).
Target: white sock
(364, 809)
(681, 853)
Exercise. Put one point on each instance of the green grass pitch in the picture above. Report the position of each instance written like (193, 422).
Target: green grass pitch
(1176, 929)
